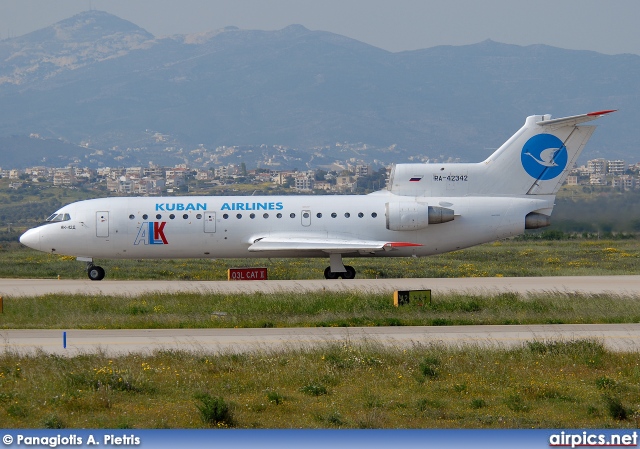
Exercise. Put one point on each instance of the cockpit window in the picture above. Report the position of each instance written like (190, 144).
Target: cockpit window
(58, 217)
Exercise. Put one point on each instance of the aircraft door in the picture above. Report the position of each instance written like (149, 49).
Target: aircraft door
(209, 222)
(306, 217)
(102, 224)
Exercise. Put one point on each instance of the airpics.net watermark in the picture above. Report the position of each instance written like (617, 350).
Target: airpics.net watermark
(589, 439)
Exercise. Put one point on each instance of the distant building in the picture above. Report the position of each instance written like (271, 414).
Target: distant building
(597, 167)
(221, 172)
(345, 183)
(321, 185)
(144, 186)
(303, 182)
(203, 175)
(134, 172)
(362, 170)
(625, 182)
(65, 177)
(572, 180)
(617, 168)
(598, 180)
(37, 172)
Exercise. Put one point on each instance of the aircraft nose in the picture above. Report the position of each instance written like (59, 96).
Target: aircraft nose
(31, 238)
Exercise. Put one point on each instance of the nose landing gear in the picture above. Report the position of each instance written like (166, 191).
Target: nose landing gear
(94, 272)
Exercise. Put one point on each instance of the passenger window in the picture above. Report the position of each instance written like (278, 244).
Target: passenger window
(374, 215)
(319, 215)
(360, 214)
(347, 215)
(158, 217)
(199, 216)
(306, 215)
(279, 215)
(292, 215)
(239, 216)
(265, 215)
(172, 216)
(252, 216)
(145, 216)
(131, 217)
(333, 215)
(185, 216)
(225, 216)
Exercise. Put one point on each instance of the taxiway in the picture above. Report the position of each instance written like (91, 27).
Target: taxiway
(619, 337)
(620, 285)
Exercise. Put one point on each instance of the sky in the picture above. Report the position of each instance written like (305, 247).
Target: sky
(609, 27)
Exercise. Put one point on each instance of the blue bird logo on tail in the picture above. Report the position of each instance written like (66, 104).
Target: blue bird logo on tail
(544, 156)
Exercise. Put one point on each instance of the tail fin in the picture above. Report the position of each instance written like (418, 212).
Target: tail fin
(536, 160)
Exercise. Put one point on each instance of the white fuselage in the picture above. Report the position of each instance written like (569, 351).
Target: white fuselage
(427, 209)
(226, 227)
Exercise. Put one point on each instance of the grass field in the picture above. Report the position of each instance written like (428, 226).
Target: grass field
(576, 384)
(507, 258)
(543, 384)
(192, 310)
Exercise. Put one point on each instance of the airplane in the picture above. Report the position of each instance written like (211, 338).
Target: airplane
(425, 209)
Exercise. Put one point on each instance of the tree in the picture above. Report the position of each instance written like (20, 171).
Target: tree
(319, 175)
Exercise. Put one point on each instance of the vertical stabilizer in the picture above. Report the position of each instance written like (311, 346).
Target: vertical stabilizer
(537, 159)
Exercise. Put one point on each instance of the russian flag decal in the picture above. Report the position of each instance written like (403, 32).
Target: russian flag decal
(415, 178)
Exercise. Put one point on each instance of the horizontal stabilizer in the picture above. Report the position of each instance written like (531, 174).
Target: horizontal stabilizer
(575, 119)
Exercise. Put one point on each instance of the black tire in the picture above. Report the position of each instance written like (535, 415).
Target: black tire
(350, 273)
(328, 274)
(96, 273)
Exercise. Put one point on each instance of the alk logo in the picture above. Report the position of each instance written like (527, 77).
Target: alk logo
(151, 233)
(544, 156)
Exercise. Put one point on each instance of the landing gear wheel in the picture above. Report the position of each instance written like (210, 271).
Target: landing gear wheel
(96, 273)
(328, 274)
(350, 273)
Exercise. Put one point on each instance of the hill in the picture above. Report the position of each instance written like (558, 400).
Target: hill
(104, 82)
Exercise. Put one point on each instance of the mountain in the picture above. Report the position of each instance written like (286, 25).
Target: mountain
(101, 81)
(73, 43)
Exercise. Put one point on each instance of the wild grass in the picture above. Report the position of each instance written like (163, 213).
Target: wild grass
(505, 258)
(538, 385)
(193, 310)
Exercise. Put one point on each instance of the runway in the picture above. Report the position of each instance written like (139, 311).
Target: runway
(618, 337)
(619, 285)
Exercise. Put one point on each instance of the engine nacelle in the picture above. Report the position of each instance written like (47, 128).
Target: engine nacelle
(412, 216)
(535, 220)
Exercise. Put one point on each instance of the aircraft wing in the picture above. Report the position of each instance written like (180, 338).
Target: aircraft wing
(328, 244)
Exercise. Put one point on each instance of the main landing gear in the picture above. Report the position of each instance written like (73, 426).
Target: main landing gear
(337, 269)
(350, 273)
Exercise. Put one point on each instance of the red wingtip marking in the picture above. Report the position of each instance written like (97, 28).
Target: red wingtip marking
(608, 111)
(402, 244)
